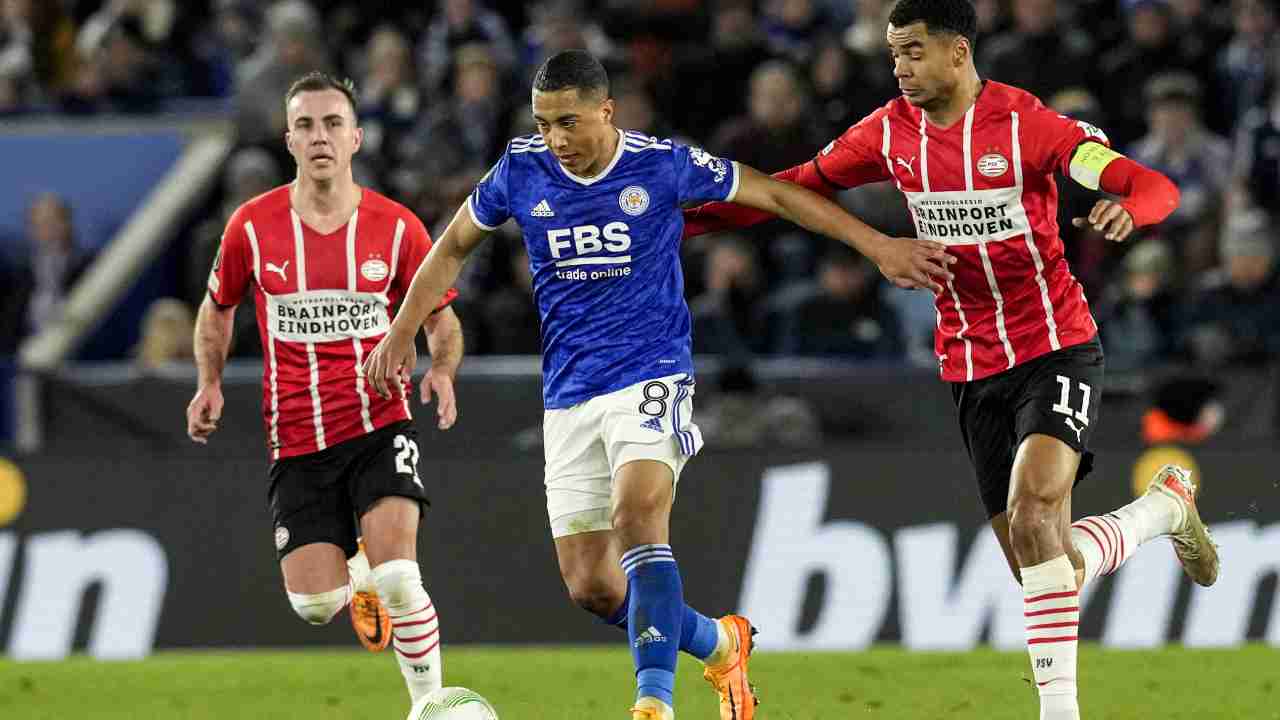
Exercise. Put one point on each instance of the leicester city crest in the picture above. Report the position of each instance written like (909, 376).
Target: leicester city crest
(633, 200)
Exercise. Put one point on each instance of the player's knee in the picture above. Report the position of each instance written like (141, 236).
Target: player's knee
(593, 594)
(399, 582)
(319, 608)
(1033, 513)
(639, 518)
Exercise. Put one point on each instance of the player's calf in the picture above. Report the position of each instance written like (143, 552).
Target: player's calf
(415, 625)
(319, 608)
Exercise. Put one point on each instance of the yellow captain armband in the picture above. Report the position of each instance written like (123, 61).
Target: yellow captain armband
(1090, 160)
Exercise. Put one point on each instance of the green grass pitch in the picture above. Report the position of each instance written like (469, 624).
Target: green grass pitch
(567, 683)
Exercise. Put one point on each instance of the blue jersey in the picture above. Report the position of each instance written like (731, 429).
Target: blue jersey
(605, 256)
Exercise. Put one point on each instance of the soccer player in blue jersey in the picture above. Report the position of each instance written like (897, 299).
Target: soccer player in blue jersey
(599, 209)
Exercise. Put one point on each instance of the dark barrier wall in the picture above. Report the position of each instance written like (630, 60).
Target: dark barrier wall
(834, 548)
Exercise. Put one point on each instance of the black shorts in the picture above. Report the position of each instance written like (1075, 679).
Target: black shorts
(1056, 394)
(320, 497)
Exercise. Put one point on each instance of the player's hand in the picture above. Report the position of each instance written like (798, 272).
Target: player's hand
(915, 264)
(390, 365)
(447, 405)
(1108, 218)
(203, 413)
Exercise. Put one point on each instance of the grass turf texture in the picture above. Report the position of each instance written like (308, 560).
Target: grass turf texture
(594, 683)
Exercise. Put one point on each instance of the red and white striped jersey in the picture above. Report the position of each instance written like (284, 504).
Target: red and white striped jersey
(323, 302)
(985, 188)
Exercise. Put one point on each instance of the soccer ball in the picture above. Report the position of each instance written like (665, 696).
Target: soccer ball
(452, 703)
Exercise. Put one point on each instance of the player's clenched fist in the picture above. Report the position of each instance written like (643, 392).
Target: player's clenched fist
(391, 363)
(914, 264)
(1109, 218)
(203, 413)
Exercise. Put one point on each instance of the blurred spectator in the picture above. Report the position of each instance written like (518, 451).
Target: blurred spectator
(123, 74)
(293, 46)
(842, 314)
(510, 315)
(37, 288)
(1039, 55)
(18, 84)
(791, 27)
(778, 130)
(1139, 315)
(557, 25)
(1151, 47)
(710, 82)
(1233, 319)
(166, 335)
(846, 88)
(992, 20)
(464, 129)
(634, 109)
(1257, 164)
(391, 102)
(727, 315)
(459, 23)
(1198, 161)
(865, 37)
(1250, 60)
(220, 46)
(155, 20)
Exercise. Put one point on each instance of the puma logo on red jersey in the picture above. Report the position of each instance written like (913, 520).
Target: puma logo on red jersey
(907, 164)
(272, 267)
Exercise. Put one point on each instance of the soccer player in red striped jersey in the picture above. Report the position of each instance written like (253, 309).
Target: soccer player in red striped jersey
(327, 261)
(1015, 338)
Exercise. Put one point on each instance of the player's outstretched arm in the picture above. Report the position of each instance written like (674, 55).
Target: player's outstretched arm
(906, 262)
(395, 356)
(719, 216)
(212, 341)
(1146, 196)
(444, 340)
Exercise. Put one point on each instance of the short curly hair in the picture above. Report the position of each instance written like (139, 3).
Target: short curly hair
(957, 17)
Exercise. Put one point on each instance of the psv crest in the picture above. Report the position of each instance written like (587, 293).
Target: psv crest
(374, 269)
(633, 200)
(993, 165)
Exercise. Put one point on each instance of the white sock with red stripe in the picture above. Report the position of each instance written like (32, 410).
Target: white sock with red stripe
(1107, 541)
(415, 628)
(1052, 612)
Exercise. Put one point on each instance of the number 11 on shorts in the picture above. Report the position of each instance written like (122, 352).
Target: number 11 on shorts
(1064, 402)
(407, 458)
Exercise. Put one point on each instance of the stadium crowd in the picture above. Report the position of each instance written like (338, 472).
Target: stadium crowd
(1188, 87)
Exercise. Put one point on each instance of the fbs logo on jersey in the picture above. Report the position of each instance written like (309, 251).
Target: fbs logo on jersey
(542, 210)
(633, 200)
(1093, 131)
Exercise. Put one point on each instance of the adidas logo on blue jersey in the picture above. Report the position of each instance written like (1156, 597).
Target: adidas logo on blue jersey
(542, 209)
(652, 423)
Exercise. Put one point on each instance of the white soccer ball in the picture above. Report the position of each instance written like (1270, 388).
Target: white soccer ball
(452, 703)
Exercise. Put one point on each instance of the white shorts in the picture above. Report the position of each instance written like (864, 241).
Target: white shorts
(587, 443)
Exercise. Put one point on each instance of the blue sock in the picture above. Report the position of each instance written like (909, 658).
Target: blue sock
(698, 634)
(655, 617)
